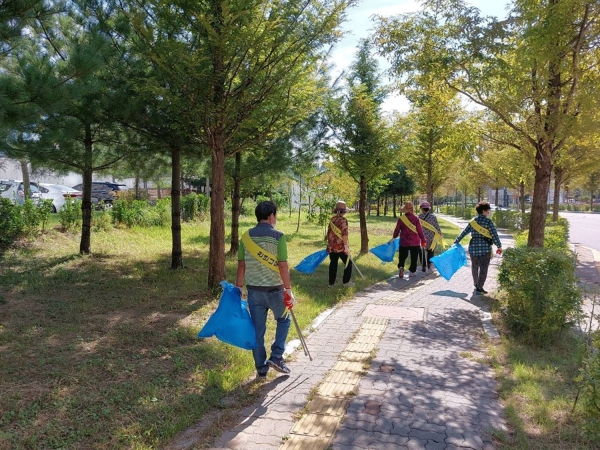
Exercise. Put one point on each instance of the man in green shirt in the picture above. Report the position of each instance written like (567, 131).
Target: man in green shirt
(262, 264)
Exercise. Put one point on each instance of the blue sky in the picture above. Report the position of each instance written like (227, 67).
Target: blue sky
(359, 25)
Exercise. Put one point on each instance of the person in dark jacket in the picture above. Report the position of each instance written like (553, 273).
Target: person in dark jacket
(411, 238)
(483, 234)
(431, 230)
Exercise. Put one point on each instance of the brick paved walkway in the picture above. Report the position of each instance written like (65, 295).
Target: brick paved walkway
(397, 367)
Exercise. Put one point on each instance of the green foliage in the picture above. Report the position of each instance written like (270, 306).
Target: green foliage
(11, 222)
(541, 294)
(279, 198)
(70, 214)
(325, 207)
(195, 206)
(589, 382)
(25, 220)
(512, 220)
(101, 221)
(44, 210)
(556, 235)
(139, 213)
(33, 217)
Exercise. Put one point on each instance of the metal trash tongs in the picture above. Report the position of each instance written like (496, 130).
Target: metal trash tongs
(302, 341)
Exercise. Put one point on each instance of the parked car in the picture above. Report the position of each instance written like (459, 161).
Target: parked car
(14, 190)
(59, 194)
(104, 191)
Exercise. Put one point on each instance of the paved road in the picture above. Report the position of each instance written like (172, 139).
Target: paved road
(584, 229)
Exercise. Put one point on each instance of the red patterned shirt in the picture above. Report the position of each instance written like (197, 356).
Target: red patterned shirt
(335, 244)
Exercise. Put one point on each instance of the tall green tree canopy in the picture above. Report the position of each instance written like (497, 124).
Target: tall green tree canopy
(527, 70)
(361, 143)
(248, 68)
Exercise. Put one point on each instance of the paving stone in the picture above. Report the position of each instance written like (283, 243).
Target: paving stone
(427, 435)
(417, 393)
(432, 445)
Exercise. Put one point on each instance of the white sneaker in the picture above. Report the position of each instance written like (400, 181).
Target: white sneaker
(412, 274)
(348, 284)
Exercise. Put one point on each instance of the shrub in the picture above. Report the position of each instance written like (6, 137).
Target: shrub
(11, 222)
(70, 214)
(140, 213)
(32, 218)
(589, 382)
(101, 221)
(194, 206)
(556, 234)
(512, 220)
(542, 297)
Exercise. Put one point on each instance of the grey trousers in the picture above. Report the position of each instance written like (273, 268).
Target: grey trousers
(479, 269)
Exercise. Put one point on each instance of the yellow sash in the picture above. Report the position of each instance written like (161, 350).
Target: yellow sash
(335, 229)
(338, 233)
(265, 257)
(483, 231)
(437, 237)
(409, 224)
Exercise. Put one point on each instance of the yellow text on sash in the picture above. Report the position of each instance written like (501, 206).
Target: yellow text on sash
(483, 231)
(259, 253)
(409, 224)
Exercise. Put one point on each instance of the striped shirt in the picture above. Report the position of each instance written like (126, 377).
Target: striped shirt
(478, 245)
(257, 275)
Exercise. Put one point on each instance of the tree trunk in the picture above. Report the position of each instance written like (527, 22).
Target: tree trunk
(26, 181)
(455, 200)
(522, 196)
(430, 175)
(394, 205)
(290, 196)
(496, 197)
(539, 205)
(136, 186)
(299, 204)
(362, 204)
(236, 206)
(216, 257)
(176, 249)
(85, 244)
(558, 179)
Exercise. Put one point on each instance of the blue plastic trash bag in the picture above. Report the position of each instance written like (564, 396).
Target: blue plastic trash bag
(231, 322)
(450, 261)
(311, 262)
(386, 252)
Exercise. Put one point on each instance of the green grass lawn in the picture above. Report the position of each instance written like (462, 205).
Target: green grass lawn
(101, 352)
(537, 388)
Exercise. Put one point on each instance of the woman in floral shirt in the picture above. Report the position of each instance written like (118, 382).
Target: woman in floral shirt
(337, 245)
